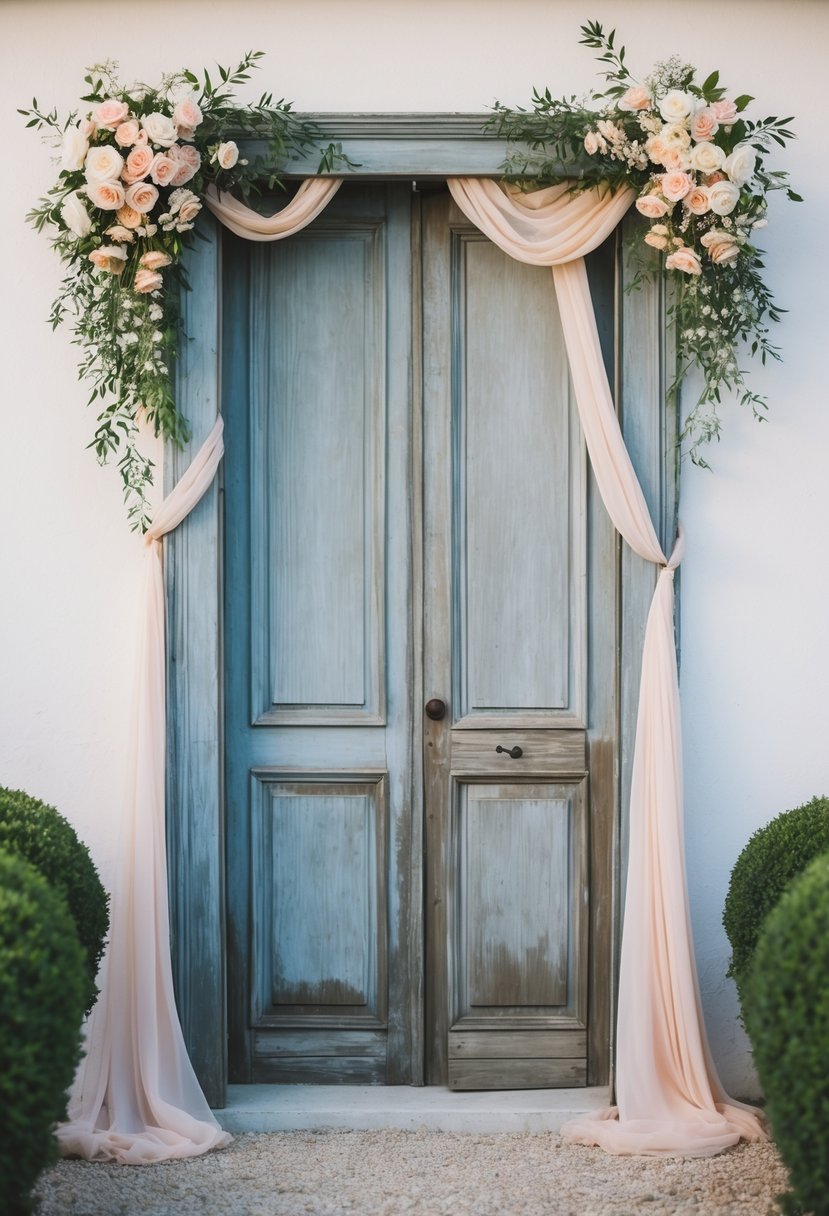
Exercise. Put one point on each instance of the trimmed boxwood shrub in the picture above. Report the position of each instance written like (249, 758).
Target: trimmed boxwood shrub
(774, 856)
(37, 832)
(42, 990)
(786, 1010)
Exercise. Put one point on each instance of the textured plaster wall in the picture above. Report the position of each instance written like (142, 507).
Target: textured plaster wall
(756, 579)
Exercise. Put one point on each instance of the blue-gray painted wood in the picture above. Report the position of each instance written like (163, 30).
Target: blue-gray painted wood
(195, 786)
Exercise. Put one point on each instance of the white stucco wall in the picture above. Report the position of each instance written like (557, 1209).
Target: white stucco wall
(755, 581)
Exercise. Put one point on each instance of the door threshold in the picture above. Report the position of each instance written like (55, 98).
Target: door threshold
(287, 1108)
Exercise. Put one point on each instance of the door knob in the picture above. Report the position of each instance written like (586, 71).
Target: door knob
(435, 709)
(516, 752)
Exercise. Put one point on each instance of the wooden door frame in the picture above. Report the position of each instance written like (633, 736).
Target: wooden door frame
(390, 146)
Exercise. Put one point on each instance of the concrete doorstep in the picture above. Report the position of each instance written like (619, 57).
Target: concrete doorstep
(281, 1108)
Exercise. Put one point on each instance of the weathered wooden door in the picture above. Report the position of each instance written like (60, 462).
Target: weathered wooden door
(408, 519)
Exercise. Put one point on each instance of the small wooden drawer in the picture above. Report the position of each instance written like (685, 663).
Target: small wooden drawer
(543, 753)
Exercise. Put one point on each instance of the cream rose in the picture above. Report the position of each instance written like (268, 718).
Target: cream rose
(675, 186)
(147, 280)
(677, 158)
(591, 143)
(160, 129)
(656, 148)
(188, 160)
(154, 259)
(103, 164)
(675, 106)
(684, 259)
(723, 197)
(163, 169)
(675, 136)
(636, 98)
(111, 113)
(75, 216)
(721, 246)
(187, 114)
(740, 165)
(725, 111)
(696, 201)
(73, 149)
(652, 206)
(129, 217)
(109, 196)
(138, 163)
(141, 196)
(109, 257)
(227, 155)
(707, 157)
(704, 124)
(127, 133)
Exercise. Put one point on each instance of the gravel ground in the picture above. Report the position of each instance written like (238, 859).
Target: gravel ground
(418, 1174)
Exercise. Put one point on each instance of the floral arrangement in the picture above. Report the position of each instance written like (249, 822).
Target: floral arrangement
(133, 172)
(697, 164)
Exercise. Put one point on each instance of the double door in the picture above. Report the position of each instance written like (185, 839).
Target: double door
(419, 662)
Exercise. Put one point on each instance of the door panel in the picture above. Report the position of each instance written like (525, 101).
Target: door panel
(318, 646)
(509, 633)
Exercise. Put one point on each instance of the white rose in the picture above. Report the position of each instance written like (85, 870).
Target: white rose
(676, 106)
(723, 197)
(707, 157)
(75, 216)
(675, 136)
(227, 154)
(103, 164)
(740, 164)
(73, 150)
(160, 129)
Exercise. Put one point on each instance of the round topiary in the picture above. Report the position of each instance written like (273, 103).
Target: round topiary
(38, 833)
(773, 856)
(786, 1010)
(42, 990)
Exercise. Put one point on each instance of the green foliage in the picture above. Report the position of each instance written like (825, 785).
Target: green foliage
(36, 832)
(773, 857)
(42, 989)
(786, 1007)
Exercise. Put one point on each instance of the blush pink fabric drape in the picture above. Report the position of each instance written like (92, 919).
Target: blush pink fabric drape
(135, 1097)
(670, 1099)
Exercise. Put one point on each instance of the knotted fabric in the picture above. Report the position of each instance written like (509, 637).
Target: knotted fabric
(670, 1099)
(135, 1097)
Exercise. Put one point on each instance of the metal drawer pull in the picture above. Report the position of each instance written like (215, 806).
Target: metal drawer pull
(516, 752)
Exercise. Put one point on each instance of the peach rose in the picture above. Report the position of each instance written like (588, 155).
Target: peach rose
(147, 280)
(109, 196)
(724, 111)
(676, 158)
(704, 125)
(129, 217)
(187, 114)
(142, 197)
(721, 246)
(87, 128)
(111, 113)
(652, 206)
(636, 98)
(656, 148)
(185, 204)
(684, 259)
(675, 186)
(141, 138)
(102, 164)
(227, 154)
(163, 169)
(138, 163)
(127, 133)
(189, 162)
(119, 233)
(591, 143)
(696, 201)
(154, 259)
(656, 239)
(111, 258)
